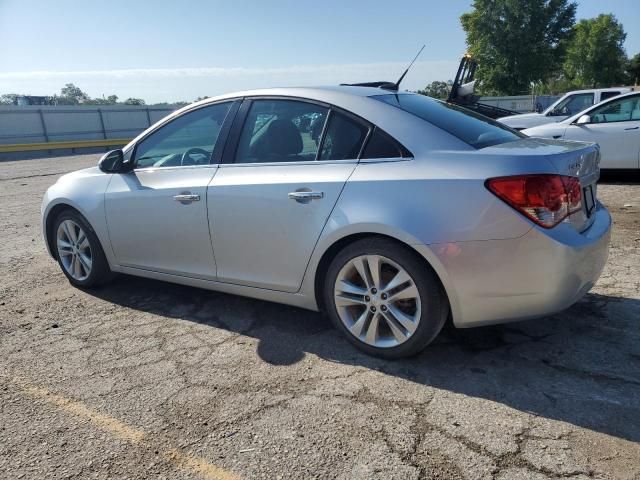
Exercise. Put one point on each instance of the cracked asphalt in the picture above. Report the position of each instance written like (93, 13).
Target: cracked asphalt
(143, 379)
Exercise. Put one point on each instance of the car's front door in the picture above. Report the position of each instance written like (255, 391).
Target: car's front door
(157, 214)
(268, 206)
(615, 126)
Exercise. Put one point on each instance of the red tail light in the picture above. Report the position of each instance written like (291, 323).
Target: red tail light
(545, 199)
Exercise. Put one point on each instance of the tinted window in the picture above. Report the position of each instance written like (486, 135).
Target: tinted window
(605, 95)
(622, 110)
(470, 127)
(281, 131)
(343, 139)
(381, 145)
(186, 140)
(573, 104)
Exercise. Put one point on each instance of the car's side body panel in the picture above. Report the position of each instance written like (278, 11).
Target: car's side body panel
(261, 236)
(151, 229)
(84, 191)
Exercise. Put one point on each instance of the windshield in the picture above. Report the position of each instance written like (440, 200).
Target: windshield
(472, 128)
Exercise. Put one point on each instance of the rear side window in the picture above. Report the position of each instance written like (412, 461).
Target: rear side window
(472, 128)
(343, 139)
(605, 95)
(382, 145)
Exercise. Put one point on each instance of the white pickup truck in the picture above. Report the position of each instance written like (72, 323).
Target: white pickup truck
(567, 106)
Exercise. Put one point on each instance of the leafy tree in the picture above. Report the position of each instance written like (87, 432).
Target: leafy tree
(633, 70)
(517, 42)
(73, 95)
(112, 99)
(595, 56)
(134, 101)
(9, 98)
(436, 89)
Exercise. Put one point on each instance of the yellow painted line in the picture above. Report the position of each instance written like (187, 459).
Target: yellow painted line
(185, 461)
(28, 147)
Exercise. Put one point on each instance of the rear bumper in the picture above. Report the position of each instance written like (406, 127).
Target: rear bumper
(538, 274)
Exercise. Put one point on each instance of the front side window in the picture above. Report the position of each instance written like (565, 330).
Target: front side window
(344, 138)
(281, 131)
(622, 110)
(186, 140)
(472, 128)
(573, 104)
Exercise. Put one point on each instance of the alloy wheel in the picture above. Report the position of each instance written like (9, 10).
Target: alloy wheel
(74, 250)
(377, 300)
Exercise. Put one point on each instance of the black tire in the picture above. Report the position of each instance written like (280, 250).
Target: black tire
(100, 272)
(434, 305)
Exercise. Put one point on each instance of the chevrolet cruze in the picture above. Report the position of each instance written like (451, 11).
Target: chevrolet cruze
(390, 211)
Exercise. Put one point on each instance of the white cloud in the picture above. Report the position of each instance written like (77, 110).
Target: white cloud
(169, 84)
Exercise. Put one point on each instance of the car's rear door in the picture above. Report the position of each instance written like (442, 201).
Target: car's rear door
(157, 213)
(615, 126)
(285, 166)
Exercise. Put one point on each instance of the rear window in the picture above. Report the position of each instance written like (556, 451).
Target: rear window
(472, 128)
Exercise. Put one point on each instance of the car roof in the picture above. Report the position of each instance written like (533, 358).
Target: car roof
(598, 105)
(592, 90)
(320, 93)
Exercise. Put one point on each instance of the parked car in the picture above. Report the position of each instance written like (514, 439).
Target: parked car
(567, 106)
(614, 125)
(403, 212)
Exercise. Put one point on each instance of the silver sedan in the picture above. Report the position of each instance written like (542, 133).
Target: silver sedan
(393, 212)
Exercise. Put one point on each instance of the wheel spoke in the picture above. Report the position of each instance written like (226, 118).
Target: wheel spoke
(400, 278)
(350, 288)
(372, 330)
(69, 230)
(394, 327)
(374, 264)
(361, 268)
(406, 292)
(82, 239)
(77, 272)
(349, 300)
(407, 322)
(357, 327)
(85, 261)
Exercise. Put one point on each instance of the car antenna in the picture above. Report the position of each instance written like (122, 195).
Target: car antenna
(397, 84)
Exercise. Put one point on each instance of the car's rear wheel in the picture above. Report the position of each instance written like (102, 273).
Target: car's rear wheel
(79, 252)
(383, 297)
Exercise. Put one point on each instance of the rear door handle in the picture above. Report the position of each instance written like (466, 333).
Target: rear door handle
(305, 197)
(632, 128)
(185, 198)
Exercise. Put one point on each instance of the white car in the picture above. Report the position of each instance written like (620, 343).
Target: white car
(567, 106)
(614, 125)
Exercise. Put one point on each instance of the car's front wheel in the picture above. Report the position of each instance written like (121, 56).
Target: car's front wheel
(385, 300)
(79, 252)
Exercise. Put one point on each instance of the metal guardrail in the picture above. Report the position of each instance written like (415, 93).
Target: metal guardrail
(29, 147)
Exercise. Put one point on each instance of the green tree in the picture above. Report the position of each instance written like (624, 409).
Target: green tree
(134, 101)
(517, 42)
(633, 70)
(595, 56)
(436, 89)
(73, 95)
(9, 98)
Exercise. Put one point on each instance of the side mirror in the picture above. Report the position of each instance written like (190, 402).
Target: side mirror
(113, 162)
(583, 119)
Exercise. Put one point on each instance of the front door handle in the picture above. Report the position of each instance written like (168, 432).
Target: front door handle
(186, 198)
(632, 128)
(305, 197)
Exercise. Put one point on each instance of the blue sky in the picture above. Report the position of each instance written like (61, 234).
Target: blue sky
(163, 50)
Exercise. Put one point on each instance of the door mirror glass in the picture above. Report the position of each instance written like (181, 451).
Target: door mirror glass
(112, 162)
(584, 119)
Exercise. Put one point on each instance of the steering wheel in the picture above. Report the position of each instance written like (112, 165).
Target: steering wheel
(191, 151)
